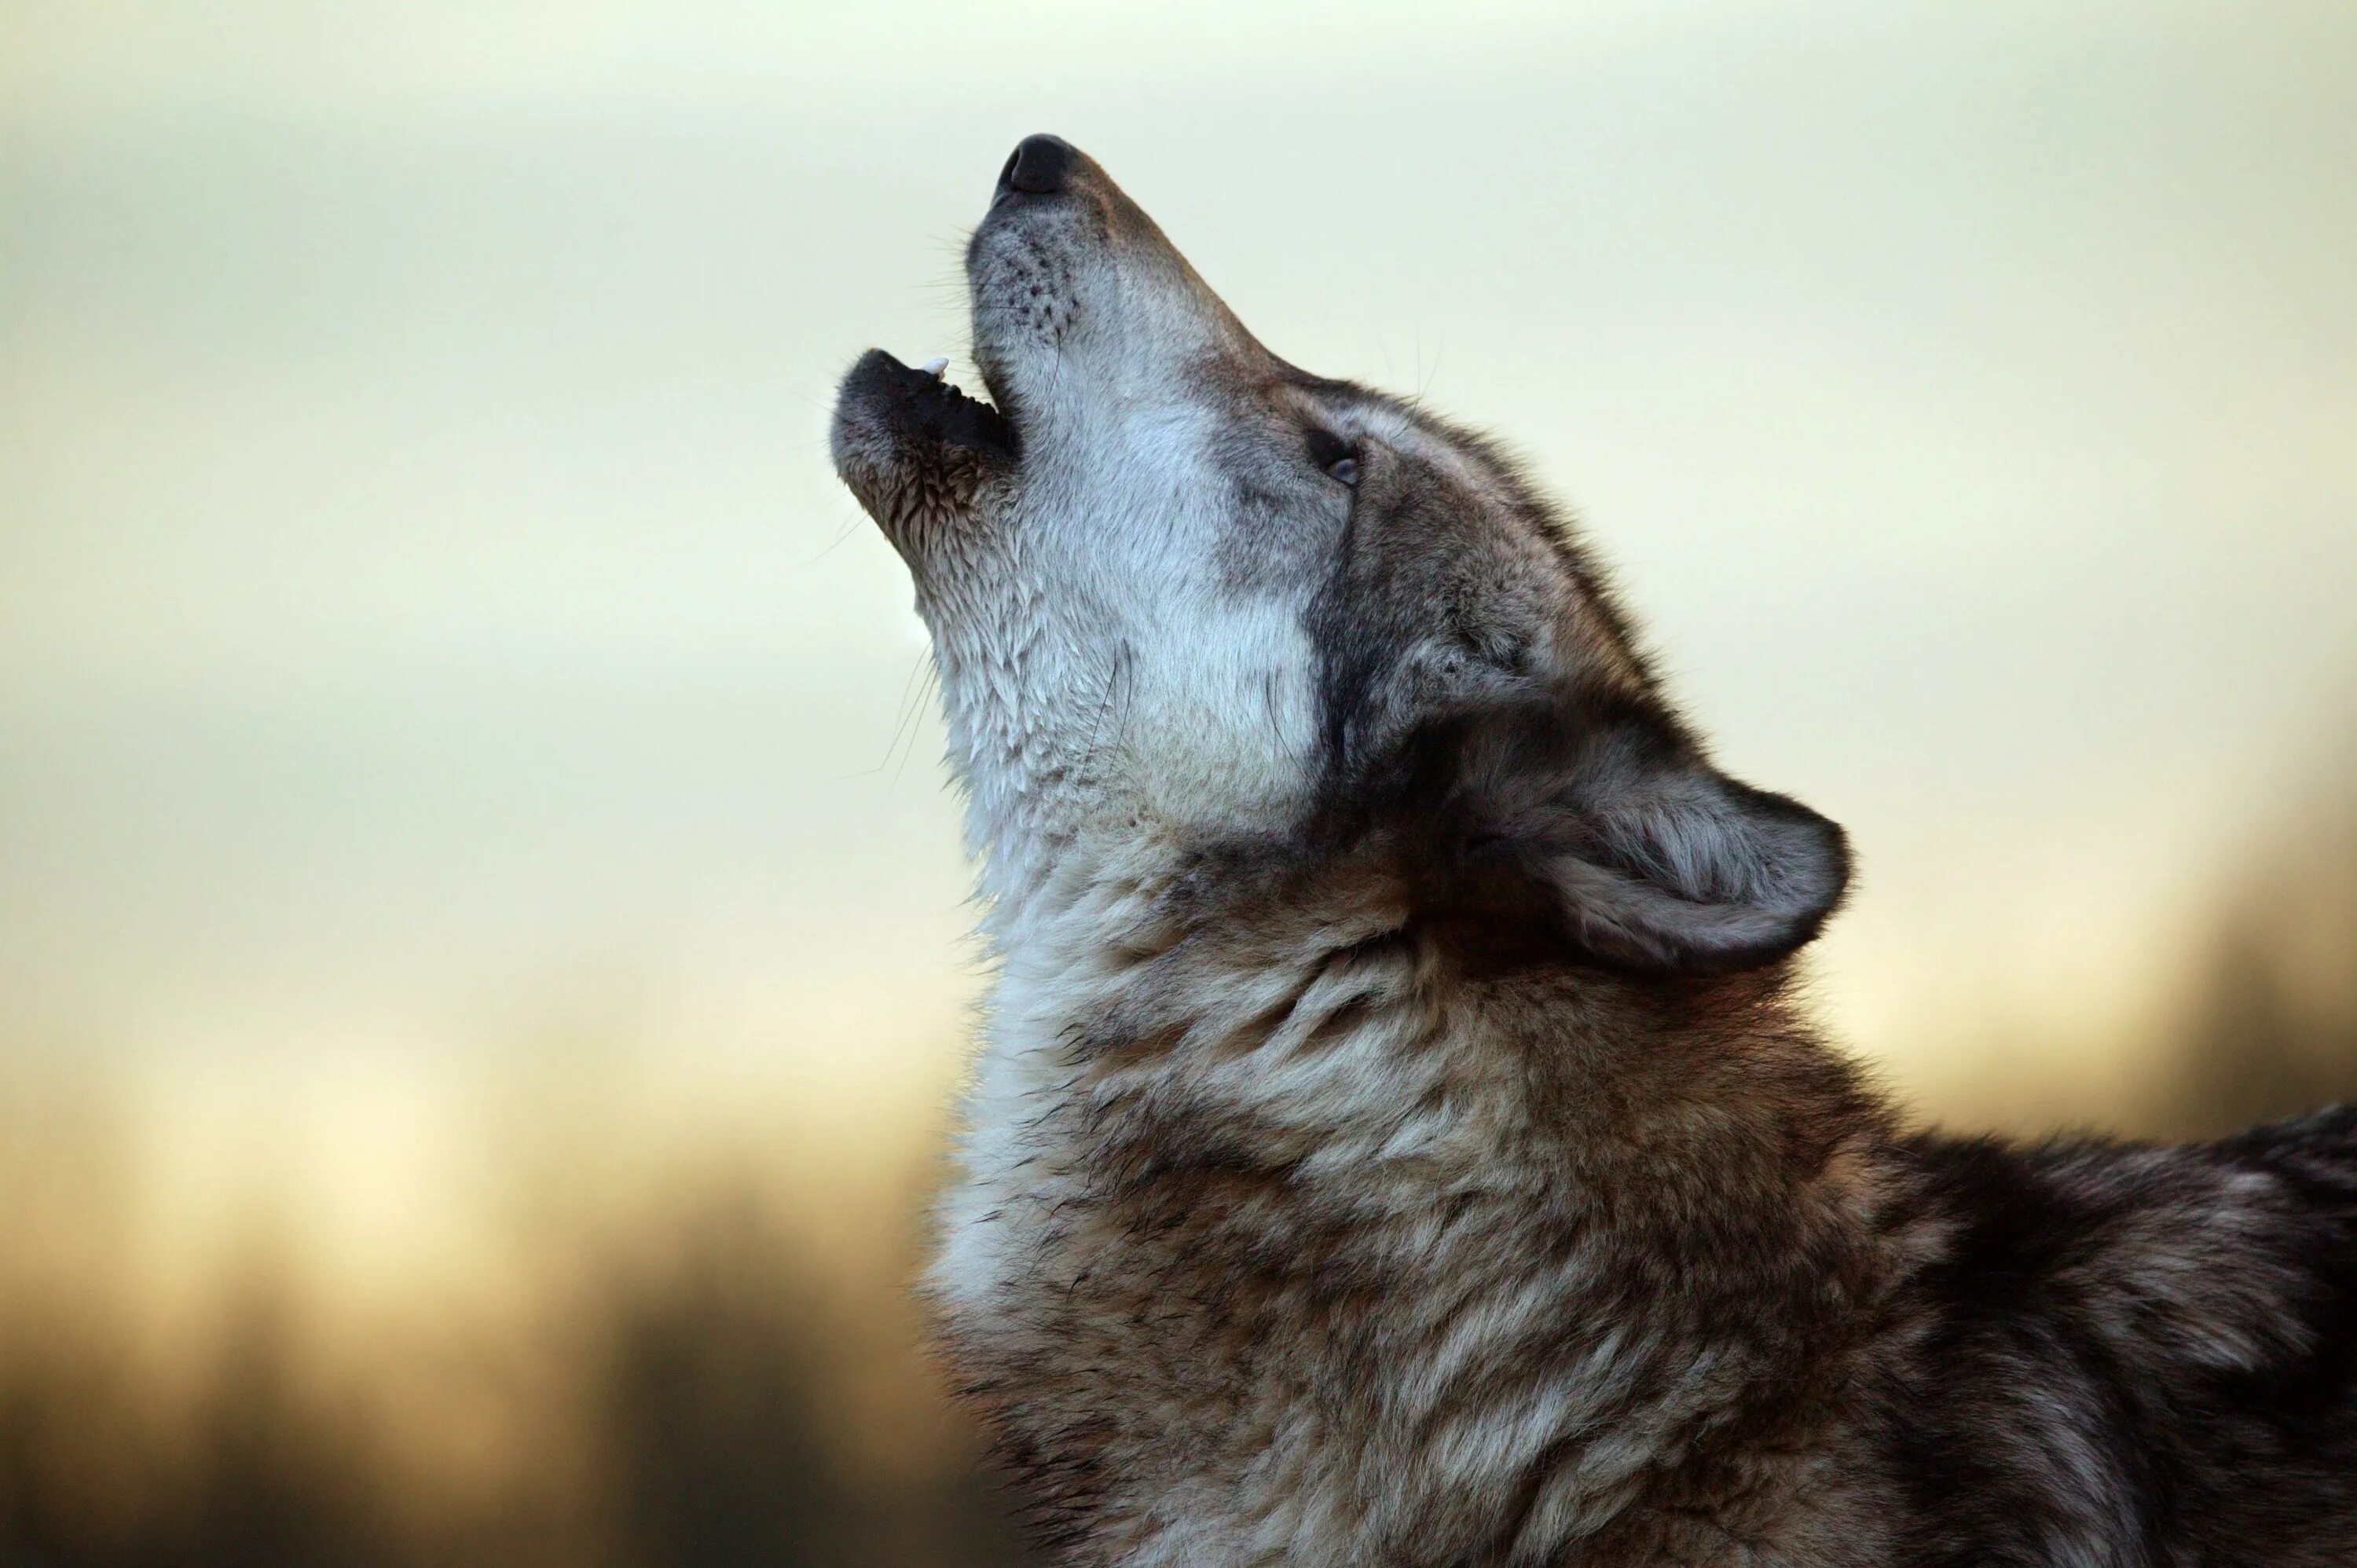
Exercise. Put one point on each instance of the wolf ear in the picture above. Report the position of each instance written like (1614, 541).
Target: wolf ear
(1598, 826)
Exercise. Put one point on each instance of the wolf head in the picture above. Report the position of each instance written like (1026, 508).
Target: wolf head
(1186, 595)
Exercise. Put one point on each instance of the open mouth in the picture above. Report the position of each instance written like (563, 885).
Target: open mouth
(916, 448)
(921, 406)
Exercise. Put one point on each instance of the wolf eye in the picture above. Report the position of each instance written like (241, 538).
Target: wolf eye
(1333, 454)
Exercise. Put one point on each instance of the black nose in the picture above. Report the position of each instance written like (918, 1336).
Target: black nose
(1037, 165)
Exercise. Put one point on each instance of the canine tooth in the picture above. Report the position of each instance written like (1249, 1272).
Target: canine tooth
(935, 367)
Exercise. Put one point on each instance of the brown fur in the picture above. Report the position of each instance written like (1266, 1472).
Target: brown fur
(1678, 1189)
(1396, 1144)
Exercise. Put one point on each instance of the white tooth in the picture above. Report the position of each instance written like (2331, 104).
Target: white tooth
(935, 367)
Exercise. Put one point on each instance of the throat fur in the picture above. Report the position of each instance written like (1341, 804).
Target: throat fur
(1285, 1237)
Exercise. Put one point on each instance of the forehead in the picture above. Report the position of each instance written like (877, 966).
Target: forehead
(1282, 511)
(1456, 460)
(1496, 507)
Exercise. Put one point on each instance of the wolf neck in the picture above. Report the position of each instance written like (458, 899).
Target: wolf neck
(1650, 1211)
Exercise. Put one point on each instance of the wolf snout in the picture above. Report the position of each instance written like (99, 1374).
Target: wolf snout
(1040, 165)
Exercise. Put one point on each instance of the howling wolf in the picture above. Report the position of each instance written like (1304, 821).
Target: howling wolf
(1395, 1144)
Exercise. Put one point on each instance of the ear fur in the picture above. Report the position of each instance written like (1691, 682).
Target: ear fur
(1596, 825)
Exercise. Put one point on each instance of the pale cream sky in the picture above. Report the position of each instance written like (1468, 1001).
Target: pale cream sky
(421, 590)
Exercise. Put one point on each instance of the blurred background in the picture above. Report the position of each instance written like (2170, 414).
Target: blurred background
(482, 960)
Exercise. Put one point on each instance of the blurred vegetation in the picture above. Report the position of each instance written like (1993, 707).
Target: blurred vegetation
(674, 1399)
(2271, 1026)
(689, 1384)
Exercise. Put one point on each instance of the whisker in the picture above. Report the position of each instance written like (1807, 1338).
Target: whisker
(925, 693)
(899, 718)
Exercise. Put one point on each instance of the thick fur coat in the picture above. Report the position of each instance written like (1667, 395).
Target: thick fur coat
(1394, 1142)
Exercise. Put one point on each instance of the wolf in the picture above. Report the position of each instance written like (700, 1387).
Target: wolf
(1395, 1142)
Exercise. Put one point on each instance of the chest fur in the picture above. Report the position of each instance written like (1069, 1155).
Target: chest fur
(1312, 1277)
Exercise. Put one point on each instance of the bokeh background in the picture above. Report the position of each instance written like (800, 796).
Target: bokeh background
(482, 971)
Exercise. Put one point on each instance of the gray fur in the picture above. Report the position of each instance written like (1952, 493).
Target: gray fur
(1393, 1143)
